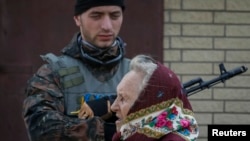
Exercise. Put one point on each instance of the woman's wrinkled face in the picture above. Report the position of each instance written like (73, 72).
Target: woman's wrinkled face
(100, 25)
(128, 91)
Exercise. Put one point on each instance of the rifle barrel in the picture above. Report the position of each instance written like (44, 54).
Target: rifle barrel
(207, 84)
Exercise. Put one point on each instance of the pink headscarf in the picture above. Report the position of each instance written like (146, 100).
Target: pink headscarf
(161, 112)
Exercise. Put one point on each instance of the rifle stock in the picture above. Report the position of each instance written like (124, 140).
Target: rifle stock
(196, 85)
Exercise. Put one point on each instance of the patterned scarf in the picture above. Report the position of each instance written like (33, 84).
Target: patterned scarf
(102, 72)
(162, 110)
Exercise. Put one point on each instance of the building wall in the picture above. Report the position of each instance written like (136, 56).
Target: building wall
(198, 36)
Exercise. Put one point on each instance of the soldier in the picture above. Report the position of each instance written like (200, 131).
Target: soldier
(69, 97)
(152, 106)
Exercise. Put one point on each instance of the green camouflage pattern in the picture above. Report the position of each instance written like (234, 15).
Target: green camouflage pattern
(43, 112)
(43, 108)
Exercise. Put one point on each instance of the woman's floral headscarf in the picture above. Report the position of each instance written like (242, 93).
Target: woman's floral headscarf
(161, 112)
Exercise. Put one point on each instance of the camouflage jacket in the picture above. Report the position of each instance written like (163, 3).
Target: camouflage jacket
(43, 108)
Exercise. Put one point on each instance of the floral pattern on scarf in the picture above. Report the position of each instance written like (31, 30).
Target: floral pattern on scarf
(161, 119)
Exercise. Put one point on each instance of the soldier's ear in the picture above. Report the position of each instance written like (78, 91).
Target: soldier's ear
(77, 20)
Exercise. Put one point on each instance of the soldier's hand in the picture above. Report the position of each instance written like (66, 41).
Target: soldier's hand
(109, 112)
(102, 108)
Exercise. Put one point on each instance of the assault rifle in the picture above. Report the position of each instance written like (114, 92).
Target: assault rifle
(198, 84)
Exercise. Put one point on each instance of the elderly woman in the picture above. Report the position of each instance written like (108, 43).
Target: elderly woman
(152, 106)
